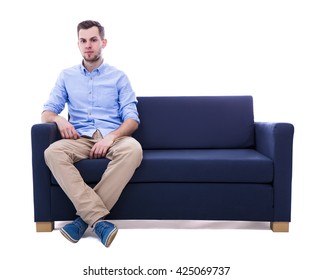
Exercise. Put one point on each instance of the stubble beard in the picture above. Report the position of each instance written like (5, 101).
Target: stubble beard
(93, 59)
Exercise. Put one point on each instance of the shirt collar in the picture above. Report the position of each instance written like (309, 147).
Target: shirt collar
(98, 70)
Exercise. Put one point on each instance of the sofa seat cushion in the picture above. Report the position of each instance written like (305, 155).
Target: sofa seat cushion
(220, 165)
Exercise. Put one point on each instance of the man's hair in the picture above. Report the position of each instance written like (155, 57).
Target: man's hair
(90, 23)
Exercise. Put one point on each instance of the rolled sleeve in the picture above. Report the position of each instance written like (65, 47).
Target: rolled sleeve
(58, 97)
(127, 100)
(130, 112)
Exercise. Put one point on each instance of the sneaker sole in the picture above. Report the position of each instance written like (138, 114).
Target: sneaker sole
(111, 237)
(67, 236)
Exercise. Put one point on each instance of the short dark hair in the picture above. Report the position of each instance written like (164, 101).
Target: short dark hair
(90, 23)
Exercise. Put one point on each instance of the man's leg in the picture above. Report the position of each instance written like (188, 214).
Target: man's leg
(125, 155)
(60, 158)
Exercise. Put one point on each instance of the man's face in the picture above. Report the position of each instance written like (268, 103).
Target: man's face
(90, 44)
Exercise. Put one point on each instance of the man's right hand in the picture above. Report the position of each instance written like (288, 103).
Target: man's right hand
(66, 129)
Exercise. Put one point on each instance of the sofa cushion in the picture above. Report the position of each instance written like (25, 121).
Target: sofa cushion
(196, 122)
(216, 165)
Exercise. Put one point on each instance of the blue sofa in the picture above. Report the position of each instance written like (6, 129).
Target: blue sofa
(205, 158)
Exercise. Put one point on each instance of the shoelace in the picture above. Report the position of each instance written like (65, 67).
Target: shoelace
(79, 225)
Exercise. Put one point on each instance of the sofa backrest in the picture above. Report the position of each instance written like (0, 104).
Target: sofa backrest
(195, 122)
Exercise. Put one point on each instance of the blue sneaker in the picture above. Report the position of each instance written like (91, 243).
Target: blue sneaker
(106, 231)
(75, 230)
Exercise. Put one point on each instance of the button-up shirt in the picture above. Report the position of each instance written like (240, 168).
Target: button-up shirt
(101, 100)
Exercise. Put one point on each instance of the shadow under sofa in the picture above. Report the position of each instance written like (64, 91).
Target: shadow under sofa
(204, 158)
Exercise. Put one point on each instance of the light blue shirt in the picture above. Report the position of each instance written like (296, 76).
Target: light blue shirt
(100, 100)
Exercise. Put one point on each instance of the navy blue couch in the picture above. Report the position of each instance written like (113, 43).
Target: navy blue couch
(204, 159)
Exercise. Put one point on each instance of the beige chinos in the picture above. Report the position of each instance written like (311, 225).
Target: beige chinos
(125, 156)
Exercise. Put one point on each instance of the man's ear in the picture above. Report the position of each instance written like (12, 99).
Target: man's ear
(104, 43)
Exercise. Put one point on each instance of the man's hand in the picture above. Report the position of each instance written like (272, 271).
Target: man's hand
(66, 129)
(100, 148)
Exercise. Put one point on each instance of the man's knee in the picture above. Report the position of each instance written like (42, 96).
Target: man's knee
(137, 150)
(49, 153)
(133, 149)
(53, 151)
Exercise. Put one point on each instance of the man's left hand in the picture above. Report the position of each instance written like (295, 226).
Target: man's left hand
(100, 148)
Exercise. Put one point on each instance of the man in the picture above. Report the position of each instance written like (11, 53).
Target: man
(102, 116)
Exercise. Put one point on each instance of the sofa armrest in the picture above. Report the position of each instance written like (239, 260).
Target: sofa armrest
(275, 140)
(42, 135)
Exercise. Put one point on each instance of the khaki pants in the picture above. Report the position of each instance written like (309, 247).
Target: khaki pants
(125, 156)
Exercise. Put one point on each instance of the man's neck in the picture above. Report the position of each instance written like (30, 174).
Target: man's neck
(91, 65)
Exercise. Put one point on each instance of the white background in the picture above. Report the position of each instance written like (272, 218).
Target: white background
(186, 47)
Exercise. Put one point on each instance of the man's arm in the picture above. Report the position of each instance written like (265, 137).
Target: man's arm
(66, 129)
(100, 149)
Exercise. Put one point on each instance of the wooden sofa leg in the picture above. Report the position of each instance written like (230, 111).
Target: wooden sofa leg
(44, 226)
(280, 226)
